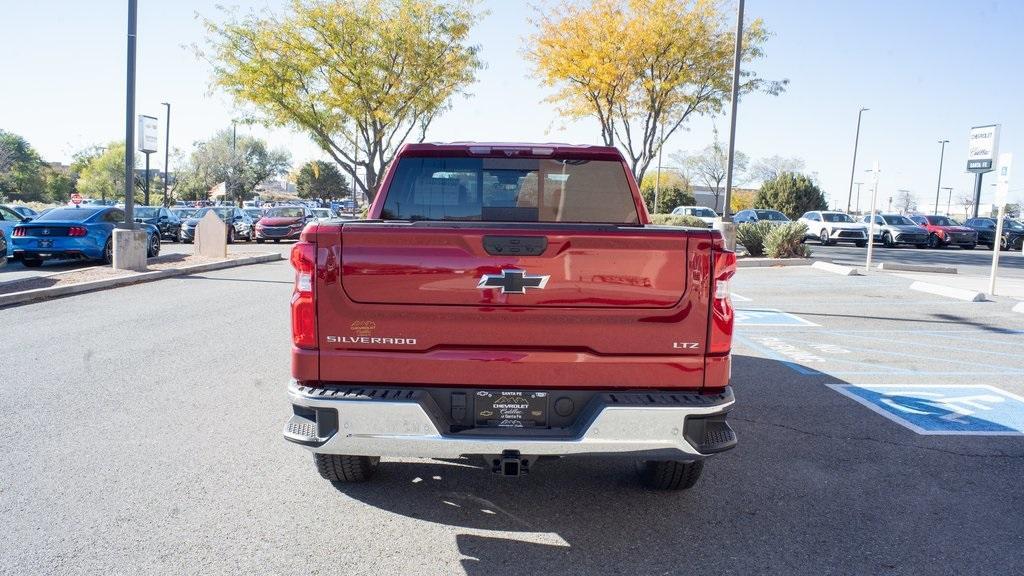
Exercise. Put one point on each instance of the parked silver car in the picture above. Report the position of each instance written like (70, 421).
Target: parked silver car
(894, 229)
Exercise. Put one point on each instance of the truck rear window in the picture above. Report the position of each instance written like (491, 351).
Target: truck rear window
(510, 190)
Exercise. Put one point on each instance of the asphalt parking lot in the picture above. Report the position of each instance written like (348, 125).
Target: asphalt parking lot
(147, 438)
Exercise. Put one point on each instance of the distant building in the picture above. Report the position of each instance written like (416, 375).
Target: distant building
(705, 196)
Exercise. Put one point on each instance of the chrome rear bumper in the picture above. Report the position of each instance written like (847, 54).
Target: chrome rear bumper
(406, 423)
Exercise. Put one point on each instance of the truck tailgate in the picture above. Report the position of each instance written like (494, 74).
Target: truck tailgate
(612, 307)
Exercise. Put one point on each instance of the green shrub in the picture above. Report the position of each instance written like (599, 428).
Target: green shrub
(752, 235)
(786, 241)
(678, 220)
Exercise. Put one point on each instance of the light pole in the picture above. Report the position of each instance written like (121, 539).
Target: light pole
(657, 178)
(949, 197)
(871, 222)
(938, 186)
(853, 168)
(735, 99)
(129, 123)
(858, 196)
(167, 151)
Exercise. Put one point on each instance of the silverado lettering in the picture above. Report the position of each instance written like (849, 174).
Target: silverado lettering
(509, 366)
(371, 340)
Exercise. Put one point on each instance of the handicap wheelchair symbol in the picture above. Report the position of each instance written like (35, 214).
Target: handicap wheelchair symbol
(943, 409)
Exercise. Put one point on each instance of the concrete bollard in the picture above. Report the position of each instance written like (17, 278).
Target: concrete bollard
(728, 230)
(211, 239)
(130, 247)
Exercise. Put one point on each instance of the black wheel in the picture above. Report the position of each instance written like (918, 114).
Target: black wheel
(990, 246)
(108, 252)
(231, 235)
(921, 245)
(887, 240)
(823, 237)
(276, 240)
(1002, 244)
(968, 246)
(154, 246)
(32, 262)
(669, 474)
(338, 468)
(860, 243)
(260, 240)
(178, 238)
(933, 241)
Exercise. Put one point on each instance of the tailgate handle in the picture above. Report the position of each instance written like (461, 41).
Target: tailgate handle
(515, 245)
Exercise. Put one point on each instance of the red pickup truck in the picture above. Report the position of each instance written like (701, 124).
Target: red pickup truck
(510, 301)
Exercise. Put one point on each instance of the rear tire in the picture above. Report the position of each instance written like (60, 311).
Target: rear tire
(32, 262)
(823, 237)
(860, 243)
(231, 235)
(108, 252)
(887, 240)
(339, 468)
(968, 246)
(669, 474)
(933, 241)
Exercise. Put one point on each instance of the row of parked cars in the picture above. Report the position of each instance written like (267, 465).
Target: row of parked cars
(85, 232)
(922, 231)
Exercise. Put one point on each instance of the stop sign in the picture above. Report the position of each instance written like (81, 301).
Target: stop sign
(76, 198)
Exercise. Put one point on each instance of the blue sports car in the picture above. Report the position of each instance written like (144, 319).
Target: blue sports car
(79, 232)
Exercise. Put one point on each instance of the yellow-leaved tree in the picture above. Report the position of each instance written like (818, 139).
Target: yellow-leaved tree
(642, 67)
(359, 76)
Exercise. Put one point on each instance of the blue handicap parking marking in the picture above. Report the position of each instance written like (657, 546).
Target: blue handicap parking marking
(768, 317)
(943, 409)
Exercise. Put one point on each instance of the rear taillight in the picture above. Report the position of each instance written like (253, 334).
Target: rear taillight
(720, 337)
(18, 231)
(303, 260)
(77, 231)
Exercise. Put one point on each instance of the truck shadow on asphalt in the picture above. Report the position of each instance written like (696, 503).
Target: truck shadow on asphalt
(818, 484)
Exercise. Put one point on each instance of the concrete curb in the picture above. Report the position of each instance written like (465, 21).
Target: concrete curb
(949, 292)
(836, 268)
(892, 266)
(15, 298)
(1019, 307)
(768, 262)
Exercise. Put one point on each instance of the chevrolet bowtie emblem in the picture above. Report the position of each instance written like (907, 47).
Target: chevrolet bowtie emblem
(512, 281)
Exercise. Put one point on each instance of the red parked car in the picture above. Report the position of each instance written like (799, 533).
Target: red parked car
(283, 223)
(511, 302)
(944, 231)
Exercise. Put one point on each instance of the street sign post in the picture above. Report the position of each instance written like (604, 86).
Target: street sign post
(1002, 189)
(76, 198)
(982, 150)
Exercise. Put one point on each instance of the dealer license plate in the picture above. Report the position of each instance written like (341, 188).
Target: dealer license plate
(511, 409)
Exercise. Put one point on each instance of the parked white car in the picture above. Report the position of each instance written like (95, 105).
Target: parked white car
(831, 227)
(706, 215)
(322, 213)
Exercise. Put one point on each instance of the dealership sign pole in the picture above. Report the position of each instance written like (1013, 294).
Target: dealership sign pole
(982, 149)
(1002, 189)
(147, 143)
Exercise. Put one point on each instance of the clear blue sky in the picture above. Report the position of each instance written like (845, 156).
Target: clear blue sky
(927, 69)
